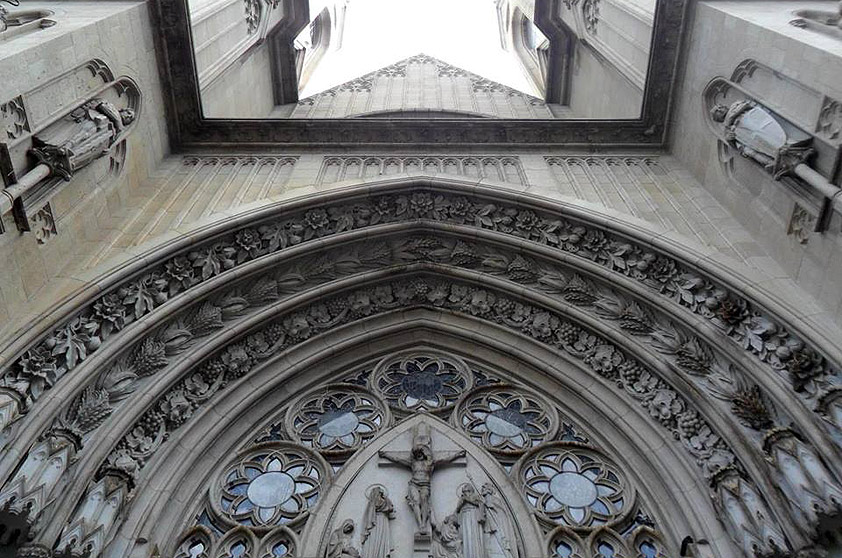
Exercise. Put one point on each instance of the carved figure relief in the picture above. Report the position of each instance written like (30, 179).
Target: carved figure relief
(471, 521)
(759, 135)
(499, 532)
(447, 540)
(87, 134)
(422, 462)
(339, 545)
(376, 538)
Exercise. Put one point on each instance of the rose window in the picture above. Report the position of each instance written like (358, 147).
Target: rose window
(343, 419)
(271, 487)
(416, 383)
(574, 487)
(507, 420)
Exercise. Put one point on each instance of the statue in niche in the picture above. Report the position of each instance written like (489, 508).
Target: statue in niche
(376, 539)
(447, 542)
(500, 539)
(339, 545)
(470, 509)
(757, 134)
(421, 461)
(88, 133)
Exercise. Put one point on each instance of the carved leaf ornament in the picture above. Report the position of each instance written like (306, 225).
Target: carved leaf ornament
(429, 385)
(70, 344)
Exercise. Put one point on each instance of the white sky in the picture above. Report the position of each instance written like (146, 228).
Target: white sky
(381, 32)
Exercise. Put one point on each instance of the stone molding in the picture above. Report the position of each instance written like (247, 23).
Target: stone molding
(488, 210)
(134, 297)
(499, 168)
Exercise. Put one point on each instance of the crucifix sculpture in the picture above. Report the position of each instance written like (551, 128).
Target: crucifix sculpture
(421, 461)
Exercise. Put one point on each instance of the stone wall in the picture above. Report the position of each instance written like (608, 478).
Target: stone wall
(120, 34)
(722, 36)
(244, 90)
(421, 84)
(599, 91)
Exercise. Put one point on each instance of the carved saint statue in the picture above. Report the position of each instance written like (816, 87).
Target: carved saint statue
(447, 542)
(421, 462)
(500, 539)
(376, 539)
(339, 545)
(471, 521)
(758, 135)
(88, 133)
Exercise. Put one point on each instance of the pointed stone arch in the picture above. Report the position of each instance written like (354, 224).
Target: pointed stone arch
(707, 357)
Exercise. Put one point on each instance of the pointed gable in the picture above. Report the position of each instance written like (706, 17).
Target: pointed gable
(421, 84)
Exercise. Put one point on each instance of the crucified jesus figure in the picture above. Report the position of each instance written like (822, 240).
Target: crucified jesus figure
(421, 461)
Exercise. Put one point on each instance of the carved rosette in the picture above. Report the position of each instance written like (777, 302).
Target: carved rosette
(505, 419)
(422, 382)
(268, 485)
(575, 486)
(590, 14)
(253, 11)
(337, 421)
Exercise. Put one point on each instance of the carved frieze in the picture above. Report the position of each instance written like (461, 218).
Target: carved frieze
(497, 168)
(71, 343)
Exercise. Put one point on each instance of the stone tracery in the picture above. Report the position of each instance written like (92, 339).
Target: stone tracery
(663, 404)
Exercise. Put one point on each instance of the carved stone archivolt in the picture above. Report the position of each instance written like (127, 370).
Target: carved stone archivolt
(513, 290)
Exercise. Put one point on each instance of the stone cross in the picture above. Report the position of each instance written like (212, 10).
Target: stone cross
(421, 461)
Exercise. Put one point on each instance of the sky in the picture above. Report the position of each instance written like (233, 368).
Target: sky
(381, 32)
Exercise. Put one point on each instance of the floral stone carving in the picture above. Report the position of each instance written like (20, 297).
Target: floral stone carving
(71, 343)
